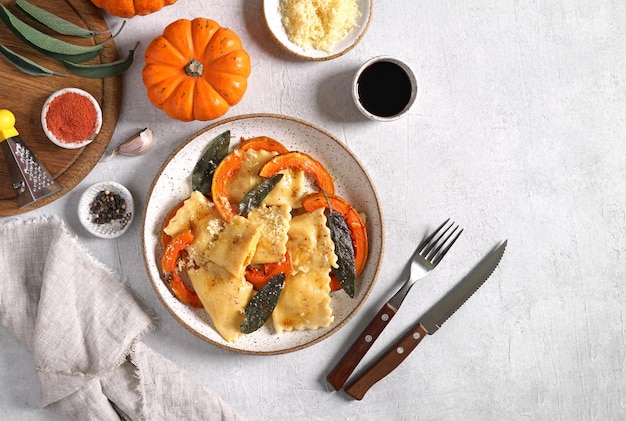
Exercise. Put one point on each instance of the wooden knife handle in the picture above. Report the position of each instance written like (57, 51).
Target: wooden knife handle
(338, 376)
(387, 362)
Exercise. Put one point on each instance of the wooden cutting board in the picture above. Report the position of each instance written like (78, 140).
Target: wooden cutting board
(25, 95)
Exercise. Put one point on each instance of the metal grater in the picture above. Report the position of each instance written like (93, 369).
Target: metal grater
(30, 179)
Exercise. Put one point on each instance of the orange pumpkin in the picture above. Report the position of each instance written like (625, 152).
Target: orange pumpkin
(196, 70)
(130, 8)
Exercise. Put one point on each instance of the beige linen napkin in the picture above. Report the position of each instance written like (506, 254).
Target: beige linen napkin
(84, 330)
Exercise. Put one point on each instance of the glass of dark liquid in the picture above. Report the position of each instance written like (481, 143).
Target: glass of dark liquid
(384, 88)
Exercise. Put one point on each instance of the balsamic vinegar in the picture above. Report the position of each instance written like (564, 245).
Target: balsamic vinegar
(384, 89)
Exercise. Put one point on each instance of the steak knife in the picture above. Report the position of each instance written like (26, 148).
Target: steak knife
(430, 322)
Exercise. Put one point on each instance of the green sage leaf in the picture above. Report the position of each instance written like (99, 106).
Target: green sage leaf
(261, 306)
(54, 22)
(253, 198)
(340, 235)
(104, 70)
(26, 65)
(202, 175)
(46, 44)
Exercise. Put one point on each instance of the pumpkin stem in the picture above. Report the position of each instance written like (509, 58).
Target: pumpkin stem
(194, 68)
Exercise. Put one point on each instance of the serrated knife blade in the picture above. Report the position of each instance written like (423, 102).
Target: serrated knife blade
(434, 318)
(428, 324)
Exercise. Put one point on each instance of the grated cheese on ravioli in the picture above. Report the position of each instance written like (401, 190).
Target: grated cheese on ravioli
(196, 208)
(235, 245)
(273, 221)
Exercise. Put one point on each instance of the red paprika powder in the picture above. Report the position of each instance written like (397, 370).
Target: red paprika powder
(71, 117)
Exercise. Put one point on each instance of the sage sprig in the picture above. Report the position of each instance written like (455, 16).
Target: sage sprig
(26, 65)
(202, 175)
(48, 45)
(54, 22)
(69, 54)
(57, 49)
(104, 70)
(340, 235)
(344, 250)
(261, 306)
(253, 198)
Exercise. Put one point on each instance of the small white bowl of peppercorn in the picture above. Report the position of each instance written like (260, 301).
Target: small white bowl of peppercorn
(71, 118)
(106, 209)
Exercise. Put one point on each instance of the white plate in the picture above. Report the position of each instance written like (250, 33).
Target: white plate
(273, 19)
(114, 229)
(173, 184)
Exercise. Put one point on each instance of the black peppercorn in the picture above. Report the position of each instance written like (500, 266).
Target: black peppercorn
(108, 207)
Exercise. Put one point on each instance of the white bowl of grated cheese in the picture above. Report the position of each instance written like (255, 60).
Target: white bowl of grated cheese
(317, 29)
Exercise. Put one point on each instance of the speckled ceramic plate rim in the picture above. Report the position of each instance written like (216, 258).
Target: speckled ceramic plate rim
(274, 25)
(172, 184)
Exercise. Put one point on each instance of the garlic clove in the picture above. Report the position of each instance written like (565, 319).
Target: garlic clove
(138, 144)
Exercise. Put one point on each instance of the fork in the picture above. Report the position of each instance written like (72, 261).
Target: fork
(425, 258)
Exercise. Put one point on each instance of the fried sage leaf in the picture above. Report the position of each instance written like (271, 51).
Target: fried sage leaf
(104, 70)
(26, 65)
(202, 174)
(260, 308)
(340, 235)
(253, 198)
(54, 22)
(46, 44)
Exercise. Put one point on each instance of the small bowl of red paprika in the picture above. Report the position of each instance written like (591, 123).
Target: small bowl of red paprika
(71, 118)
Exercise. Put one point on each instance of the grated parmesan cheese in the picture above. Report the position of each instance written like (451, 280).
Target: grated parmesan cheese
(319, 23)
